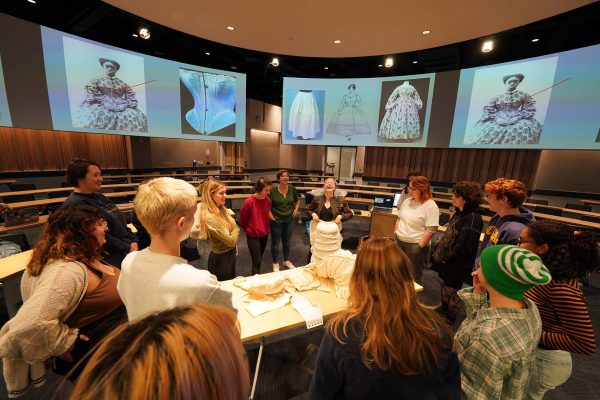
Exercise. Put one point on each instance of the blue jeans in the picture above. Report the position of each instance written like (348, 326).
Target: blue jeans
(281, 231)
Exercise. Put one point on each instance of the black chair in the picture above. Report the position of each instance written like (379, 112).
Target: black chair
(537, 201)
(360, 206)
(394, 185)
(590, 218)
(350, 182)
(440, 189)
(58, 195)
(581, 207)
(17, 187)
(548, 210)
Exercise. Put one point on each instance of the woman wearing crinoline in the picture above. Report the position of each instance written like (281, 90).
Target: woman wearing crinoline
(349, 120)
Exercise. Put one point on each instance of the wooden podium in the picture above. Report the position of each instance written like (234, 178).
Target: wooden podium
(383, 223)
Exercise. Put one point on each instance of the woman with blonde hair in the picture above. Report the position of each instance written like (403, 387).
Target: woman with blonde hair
(184, 353)
(70, 300)
(218, 225)
(418, 219)
(386, 344)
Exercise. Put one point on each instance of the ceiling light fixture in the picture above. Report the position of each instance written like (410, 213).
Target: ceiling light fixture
(389, 62)
(144, 33)
(275, 62)
(337, 41)
(326, 68)
(426, 32)
(134, 34)
(488, 46)
(415, 62)
(380, 65)
(207, 53)
(230, 28)
(32, 1)
(535, 40)
(234, 67)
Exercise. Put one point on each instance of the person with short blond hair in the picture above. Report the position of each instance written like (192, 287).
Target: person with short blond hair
(157, 278)
(186, 353)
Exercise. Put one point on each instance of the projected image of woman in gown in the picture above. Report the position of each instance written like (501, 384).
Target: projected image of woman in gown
(401, 120)
(349, 120)
(110, 103)
(304, 121)
(508, 118)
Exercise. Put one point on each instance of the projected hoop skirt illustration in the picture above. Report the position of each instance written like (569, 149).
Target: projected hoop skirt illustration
(401, 119)
(214, 100)
(349, 120)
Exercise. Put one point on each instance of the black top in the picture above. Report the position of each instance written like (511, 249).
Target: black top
(341, 374)
(326, 214)
(118, 237)
(455, 254)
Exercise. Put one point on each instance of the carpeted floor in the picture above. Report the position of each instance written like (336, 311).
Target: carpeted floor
(287, 365)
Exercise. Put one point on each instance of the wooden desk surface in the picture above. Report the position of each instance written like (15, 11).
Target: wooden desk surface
(589, 201)
(14, 264)
(7, 181)
(109, 186)
(284, 318)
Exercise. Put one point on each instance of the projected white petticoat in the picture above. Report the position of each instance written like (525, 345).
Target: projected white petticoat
(214, 100)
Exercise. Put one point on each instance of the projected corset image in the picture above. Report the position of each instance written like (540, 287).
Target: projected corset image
(214, 100)
(349, 120)
(508, 118)
(110, 103)
(401, 120)
(304, 121)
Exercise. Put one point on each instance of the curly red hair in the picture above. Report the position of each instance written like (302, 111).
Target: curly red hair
(513, 190)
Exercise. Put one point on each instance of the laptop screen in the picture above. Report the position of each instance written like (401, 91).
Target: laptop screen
(397, 199)
(383, 202)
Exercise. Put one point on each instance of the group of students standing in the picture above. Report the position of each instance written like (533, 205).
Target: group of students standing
(387, 344)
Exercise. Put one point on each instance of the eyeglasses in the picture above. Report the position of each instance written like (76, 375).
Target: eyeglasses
(520, 241)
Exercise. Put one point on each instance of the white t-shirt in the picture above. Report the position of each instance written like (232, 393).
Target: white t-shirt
(414, 217)
(151, 282)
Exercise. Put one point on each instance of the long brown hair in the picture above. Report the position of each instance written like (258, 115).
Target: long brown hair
(210, 207)
(396, 330)
(67, 235)
(185, 353)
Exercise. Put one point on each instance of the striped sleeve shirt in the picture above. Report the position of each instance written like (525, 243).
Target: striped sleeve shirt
(566, 322)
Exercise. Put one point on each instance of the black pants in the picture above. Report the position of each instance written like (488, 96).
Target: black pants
(257, 247)
(222, 265)
(417, 256)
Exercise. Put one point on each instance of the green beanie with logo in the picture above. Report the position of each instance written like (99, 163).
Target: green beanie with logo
(512, 270)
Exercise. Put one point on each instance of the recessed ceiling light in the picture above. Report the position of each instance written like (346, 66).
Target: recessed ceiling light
(230, 28)
(337, 41)
(275, 62)
(234, 67)
(32, 1)
(426, 32)
(326, 68)
(535, 40)
(415, 62)
(207, 53)
(487, 46)
(144, 33)
(134, 35)
(389, 62)
(380, 65)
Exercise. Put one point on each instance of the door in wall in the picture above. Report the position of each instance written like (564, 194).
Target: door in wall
(340, 162)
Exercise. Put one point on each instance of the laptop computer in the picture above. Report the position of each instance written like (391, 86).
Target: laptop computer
(383, 203)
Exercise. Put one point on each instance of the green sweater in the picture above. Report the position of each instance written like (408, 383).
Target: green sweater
(283, 207)
(221, 238)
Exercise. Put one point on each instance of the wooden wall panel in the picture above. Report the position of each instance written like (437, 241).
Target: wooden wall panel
(40, 150)
(452, 165)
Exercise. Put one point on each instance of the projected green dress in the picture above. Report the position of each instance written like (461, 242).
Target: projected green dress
(110, 104)
(507, 119)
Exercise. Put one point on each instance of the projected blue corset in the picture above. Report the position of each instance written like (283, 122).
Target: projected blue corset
(214, 100)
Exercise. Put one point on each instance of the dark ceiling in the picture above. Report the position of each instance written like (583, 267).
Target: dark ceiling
(96, 20)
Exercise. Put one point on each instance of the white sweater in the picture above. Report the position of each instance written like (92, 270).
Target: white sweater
(152, 282)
